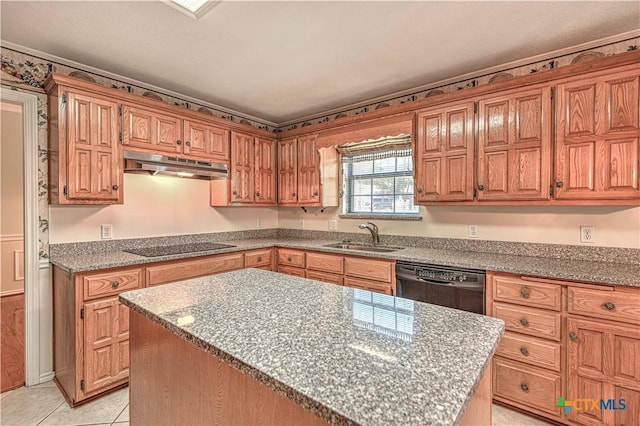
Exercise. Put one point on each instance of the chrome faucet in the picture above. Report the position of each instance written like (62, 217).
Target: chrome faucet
(373, 228)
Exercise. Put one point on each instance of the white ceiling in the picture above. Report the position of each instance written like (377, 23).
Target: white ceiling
(284, 60)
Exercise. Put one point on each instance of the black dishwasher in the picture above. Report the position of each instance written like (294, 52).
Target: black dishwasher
(440, 285)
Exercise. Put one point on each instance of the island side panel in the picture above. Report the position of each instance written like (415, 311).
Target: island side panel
(174, 382)
(479, 409)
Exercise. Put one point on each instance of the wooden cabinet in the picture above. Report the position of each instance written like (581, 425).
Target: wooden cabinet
(262, 259)
(299, 172)
(579, 341)
(514, 145)
(91, 330)
(597, 137)
(185, 269)
(444, 153)
(151, 130)
(252, 175)
(85, 164)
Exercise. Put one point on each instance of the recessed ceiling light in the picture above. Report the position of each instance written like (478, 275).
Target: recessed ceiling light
(192, 8)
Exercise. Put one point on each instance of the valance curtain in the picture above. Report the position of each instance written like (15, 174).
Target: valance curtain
(395, 146)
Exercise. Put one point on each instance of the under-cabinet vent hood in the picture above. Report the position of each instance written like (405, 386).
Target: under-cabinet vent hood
(156, 164)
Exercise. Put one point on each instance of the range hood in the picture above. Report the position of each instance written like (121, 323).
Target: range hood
(156, 164)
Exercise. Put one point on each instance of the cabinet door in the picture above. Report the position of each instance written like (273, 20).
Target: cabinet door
(308, 171)
(205, 141)
(514, 145)
(106, 343)
(597, 136)
(287, 171)
(242, 172)
(150, 130)
(444, 154)
(94, 170)
(603, 363)
(265, 171)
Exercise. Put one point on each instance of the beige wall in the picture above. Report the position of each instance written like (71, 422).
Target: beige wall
(155, 206)
(11, 172)
(614, 226)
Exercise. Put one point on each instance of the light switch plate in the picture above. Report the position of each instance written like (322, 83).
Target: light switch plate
(106, 232)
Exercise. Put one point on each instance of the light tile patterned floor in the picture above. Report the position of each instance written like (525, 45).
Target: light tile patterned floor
(44, 405)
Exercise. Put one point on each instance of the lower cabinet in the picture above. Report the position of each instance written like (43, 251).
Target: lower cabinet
(375, 275)
(575, 341)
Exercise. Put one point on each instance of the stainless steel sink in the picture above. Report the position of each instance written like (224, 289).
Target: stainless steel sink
(364, 247)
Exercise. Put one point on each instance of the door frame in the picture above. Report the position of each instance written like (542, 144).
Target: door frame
(29, 104)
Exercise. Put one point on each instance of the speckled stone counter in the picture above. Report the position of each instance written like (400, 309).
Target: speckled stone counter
(348, 355)
(626, 274)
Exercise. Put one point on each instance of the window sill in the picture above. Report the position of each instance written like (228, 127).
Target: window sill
(359, 216)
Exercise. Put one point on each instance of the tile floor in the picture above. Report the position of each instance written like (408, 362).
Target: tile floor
(44, 405)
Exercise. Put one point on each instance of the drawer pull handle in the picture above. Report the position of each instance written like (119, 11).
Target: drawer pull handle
(524, 322)
(524, 292)
(289, 259)
(573, 336)
(524, 387)
(115, 284)
(259, 258)
(178, 142)
(524, 351)
(608, 306)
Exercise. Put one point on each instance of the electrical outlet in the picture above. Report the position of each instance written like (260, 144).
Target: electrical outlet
(301, 223)
(259, 223)
(106, 232)
(333, 225)
(587, 234)
(473, 231)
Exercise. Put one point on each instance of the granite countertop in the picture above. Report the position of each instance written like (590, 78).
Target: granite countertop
(348, 355)
(567, 269)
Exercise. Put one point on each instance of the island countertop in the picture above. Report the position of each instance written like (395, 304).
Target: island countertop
(349, 356)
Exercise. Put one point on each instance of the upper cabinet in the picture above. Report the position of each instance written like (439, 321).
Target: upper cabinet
(597, 137)
(252, 174)
(514, 145)
(85, 161)
(147, 129)
(299, 172)
(443, 152)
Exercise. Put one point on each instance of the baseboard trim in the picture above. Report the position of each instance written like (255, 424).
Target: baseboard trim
(12, 292)
(45, 377)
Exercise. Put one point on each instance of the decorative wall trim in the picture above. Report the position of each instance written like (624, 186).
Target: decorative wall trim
(8, 293)
(11, 237)
(18, 265)
(31, 220)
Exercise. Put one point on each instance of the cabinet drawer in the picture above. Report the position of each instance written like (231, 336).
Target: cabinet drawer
(323, 276)
(325, 262)
(526, 385)
(530, 350)
(370, 269)
(616, 305)
(375, 286)
(529, 293)
(162, 274)
(291, 270)
(534, 322)
(110, 283)
(291, 258)
(256, 258)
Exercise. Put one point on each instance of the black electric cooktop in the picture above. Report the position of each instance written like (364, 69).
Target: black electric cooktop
(177, 249)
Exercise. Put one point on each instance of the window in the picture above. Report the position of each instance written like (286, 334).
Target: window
(379, 182)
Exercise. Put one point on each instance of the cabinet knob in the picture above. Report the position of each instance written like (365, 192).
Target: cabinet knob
(480, 187)
(115, 187)
(178, 142)
(608, 306)
(315, 194)
(115, 284)
(559, 184)
(235, 192)
(259, 258)
(257, 194)
(524, 351)
(524, 387)
(524, 292)
(524, 322)
(289, 259)
(573, 336)
(187, 143)
(420, 190)
(293, 194)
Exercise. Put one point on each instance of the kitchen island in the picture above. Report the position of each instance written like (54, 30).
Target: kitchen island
(253, 346)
